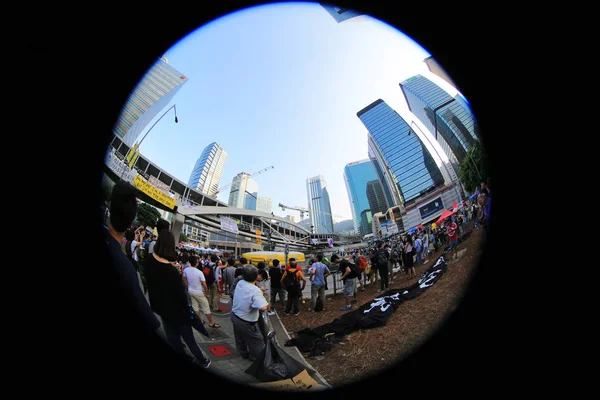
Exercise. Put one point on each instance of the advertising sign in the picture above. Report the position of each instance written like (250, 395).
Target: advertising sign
(431, 208)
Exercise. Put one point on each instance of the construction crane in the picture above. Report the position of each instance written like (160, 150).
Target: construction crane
(305, 211)
(219, 190)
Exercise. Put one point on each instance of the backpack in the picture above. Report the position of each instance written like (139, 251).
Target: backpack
(209, 274)
(417, 246)
(354, 271)
(381, 259)
(362, 263)
(290, 283)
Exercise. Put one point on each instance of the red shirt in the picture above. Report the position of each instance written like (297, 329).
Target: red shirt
(452, 231)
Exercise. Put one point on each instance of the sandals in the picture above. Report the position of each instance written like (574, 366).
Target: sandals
(215, 325)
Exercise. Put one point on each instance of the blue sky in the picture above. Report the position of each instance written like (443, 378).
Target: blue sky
(281, 85)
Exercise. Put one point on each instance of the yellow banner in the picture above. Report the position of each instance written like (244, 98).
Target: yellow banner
(258, 240)
(136, 155)
(153, 192)
(131, 153)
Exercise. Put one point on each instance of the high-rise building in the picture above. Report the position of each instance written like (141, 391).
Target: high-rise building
(366, 219)
(153, 93)
(244, 192)
(406, 164)
(319, 205)
(356, 176)
(448, 118)
(377, 203)
(291, 218)
(206, 175)
(340, 14)
(408, 173)
(264, 204)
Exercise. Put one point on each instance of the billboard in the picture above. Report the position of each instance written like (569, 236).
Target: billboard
(431, 208)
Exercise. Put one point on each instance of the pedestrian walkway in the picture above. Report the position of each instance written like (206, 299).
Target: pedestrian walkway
(220, 347)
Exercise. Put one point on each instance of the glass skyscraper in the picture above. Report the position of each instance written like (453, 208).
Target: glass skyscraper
(401, 160)
(244, 192)
(264, 204)
(319, 206)
(366, 219)
(449, 119)
(356, 176)
(152, 94)
(206, 175)
(377, 203)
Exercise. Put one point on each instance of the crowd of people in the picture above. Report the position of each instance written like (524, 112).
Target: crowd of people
(182, 285)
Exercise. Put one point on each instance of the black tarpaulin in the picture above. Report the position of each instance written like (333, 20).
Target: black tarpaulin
(274, 364)
(320, 340)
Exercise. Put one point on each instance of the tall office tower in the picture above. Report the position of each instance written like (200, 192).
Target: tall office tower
(366, 219)
(152, 94)
(356, 176)
(405, 168)
(264, 204)
(375, 197)
(405, 163)
(448, 119)
(244, 192)
(206, 175)
(291, 218)
(319, 205)
(340, 14)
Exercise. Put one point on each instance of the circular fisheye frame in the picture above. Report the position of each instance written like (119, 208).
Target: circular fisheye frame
(321, 192)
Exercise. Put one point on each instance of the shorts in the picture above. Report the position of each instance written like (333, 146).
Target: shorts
(453, 244)
(350, 287)
(200, 303)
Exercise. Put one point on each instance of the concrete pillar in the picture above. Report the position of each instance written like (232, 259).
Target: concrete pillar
(176, 226)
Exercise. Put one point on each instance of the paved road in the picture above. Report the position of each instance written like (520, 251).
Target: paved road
(232, 366)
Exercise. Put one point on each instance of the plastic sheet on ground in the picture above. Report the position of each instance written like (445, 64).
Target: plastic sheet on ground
(320, 340)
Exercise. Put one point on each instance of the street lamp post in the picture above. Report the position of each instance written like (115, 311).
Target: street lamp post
(153, 125)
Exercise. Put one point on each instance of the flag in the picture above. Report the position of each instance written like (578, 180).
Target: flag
(133, 154)
(330, 242)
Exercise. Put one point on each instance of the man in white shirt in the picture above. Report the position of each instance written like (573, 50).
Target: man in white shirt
(195, 281)
(248, 302)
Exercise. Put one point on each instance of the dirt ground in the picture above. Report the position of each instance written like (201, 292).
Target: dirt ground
(368, 351)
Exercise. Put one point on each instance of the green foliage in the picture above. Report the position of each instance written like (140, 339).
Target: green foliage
(183, 238)
(473, 169)
(147, 215)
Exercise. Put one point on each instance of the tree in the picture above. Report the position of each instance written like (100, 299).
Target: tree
(183, 238)
(147, 215)
(473, 168)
